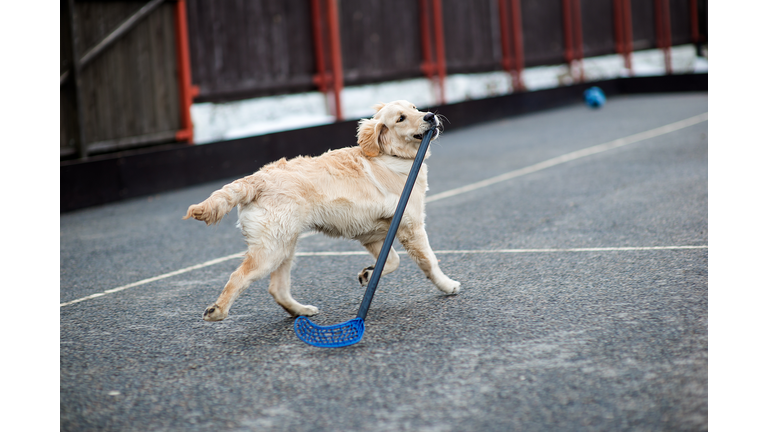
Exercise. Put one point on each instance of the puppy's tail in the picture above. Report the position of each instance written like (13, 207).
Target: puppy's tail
(225, 199)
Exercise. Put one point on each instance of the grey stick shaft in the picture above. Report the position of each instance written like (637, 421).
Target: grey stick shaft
(390, 238)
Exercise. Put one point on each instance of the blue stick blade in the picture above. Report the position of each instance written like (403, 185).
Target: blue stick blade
(339, 335)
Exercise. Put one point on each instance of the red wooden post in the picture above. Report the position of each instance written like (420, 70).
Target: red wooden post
(325, 80)
(578, 41)
(668, 31)
(574, 50)
(336, 65)
(694, 10)
(663, 32)
(622, 20)
(433, 63)
(567, 31)
(517, 42)
(321, 78)
(186, 90)
(437, 18)
(511, 29)
(427, 66)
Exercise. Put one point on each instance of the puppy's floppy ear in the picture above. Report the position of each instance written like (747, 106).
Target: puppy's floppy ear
(370, 136)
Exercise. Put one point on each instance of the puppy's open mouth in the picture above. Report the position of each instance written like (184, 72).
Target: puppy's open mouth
(421, 135)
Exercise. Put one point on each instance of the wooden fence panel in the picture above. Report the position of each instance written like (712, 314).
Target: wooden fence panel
(472, 36)
(242, 49)
(130, 91)
(643, 25)
(680, 19)
(247, 48)
(380, 40)
(67, 105)
(598, 27)
(542, 32)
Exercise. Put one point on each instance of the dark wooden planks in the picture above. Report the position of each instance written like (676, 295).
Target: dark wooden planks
(241, 49)
(598, 27)
(130, 91)
(380, 40)
(543, 32)
(472, 36)
(249, 48)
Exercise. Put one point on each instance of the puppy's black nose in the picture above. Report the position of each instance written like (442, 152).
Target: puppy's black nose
(429, 117)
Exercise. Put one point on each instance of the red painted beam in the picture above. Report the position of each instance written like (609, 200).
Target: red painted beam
(433, 64)
(186, 90)
(437, 19)
(663, 31)
(574, 49)
(321, 79)
(567, 31)
(336, 64)
(622, 20)
(325, 28)
(428, 66)
(618, 26)
(517, 42)
(578, 41)
(694, 11)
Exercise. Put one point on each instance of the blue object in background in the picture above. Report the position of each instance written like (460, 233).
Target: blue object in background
(594, 97)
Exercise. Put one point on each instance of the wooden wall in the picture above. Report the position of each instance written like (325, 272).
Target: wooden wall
(380, 40)
(243, 49)
(130, 92)
(597, 27)
(247, 48)
(472, 38)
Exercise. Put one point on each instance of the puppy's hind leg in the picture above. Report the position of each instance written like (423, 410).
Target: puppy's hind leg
(280, 288)
(393, 261)
(256, 265)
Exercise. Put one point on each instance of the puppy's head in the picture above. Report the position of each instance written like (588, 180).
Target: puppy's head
(396, 129)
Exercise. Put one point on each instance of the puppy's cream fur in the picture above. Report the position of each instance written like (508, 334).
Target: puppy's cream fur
(350, 192)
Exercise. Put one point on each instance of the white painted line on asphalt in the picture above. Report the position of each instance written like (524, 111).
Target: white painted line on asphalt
(468, 188)
(573, 156)
(166, 275)
(509, 251)
(153, 279)
(331, 253)
(348, 253)
(596, 249)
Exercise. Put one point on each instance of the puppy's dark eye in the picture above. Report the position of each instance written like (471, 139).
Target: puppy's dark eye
(402, 117)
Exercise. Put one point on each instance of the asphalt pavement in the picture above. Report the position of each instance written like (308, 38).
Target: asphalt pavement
(583, 304)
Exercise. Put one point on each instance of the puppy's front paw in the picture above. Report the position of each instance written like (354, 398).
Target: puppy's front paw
(449, 286)
(214, 313)
(308, 310)
(365, 275)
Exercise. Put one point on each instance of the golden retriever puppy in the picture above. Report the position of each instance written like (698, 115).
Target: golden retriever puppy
(350, 192)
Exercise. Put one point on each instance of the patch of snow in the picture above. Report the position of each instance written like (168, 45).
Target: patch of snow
(462, 87)
(288, 122)
(357, 101)
(230, 120)
(239, 119)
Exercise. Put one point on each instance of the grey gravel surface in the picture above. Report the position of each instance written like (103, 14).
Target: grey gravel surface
(536, 341)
